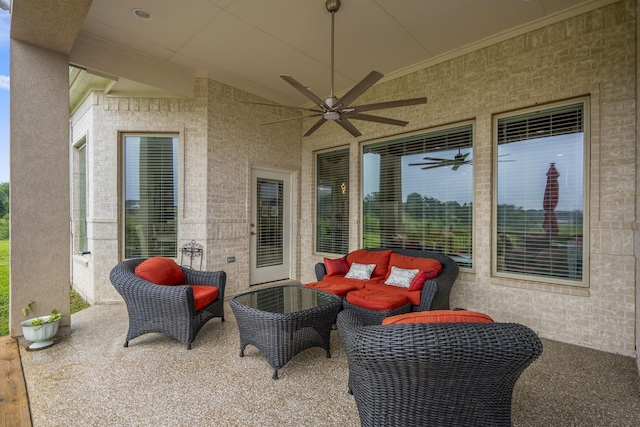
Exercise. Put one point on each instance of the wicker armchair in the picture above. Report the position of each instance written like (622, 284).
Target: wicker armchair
(437, 374)
(166, 309)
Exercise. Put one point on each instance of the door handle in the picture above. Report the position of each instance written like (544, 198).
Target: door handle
(253, 233)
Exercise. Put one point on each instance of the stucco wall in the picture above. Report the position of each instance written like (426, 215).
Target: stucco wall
(591, 54)
(39, 179)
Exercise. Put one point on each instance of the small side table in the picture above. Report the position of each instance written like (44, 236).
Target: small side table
(284, 320)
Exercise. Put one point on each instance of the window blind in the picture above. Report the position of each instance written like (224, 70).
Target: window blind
(417, 195)
(83, 244)
(540, 192)
(332, 201)
(151, 195)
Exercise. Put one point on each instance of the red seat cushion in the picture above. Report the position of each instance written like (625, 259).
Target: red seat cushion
(413, 297)
(336, 266)
(356, 283)
(333, 288)
(161, 271)
(204, 295)
(376, 299)
(438, 316)
(430, 266)
(379, 258)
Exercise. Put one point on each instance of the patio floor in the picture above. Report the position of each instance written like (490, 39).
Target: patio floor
(89, 378)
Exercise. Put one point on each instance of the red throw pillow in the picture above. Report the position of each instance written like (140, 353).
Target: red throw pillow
(336, 266)
(429, 265)
(437, 316)
(379, 258)
(161, 271)
(418, 281)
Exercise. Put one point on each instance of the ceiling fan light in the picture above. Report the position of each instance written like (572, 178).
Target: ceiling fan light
(331, 115)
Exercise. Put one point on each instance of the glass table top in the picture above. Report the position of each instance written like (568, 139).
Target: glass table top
(285, 299)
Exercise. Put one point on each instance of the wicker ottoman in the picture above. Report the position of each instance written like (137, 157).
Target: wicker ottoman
(373, 305)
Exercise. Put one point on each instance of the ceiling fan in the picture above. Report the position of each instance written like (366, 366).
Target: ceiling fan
(457, 161)
(340, 110)
(438, 162)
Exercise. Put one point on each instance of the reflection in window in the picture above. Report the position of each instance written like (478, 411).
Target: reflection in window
(418, 193)
(540, 193)
(151, 195)
(332, 202)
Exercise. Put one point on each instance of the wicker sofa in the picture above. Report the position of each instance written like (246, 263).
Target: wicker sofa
(170, 310)
(436, 291)
(435, 374)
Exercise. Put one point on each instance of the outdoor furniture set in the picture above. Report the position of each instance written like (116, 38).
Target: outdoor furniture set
(427, 365)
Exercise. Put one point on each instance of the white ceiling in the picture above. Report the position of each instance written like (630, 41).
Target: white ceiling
(249, 43)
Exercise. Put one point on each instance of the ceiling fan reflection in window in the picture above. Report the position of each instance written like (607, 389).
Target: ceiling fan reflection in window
(457, 161)
(340, 110)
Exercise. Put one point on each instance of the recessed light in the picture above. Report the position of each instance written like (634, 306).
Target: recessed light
(141, 13)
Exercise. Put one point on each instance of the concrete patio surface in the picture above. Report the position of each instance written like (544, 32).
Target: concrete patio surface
(89, 379)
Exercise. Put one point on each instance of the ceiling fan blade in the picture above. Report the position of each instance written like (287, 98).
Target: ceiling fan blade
(315, 126)
(348, 126)
(423, 164)
(360, 88)
(437, 159)
(303, 90)
(378, 119)
(289, 119)
(280, 105)
(390, 104)
(433, 167)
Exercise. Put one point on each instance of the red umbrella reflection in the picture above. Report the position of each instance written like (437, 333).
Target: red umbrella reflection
(550, 202)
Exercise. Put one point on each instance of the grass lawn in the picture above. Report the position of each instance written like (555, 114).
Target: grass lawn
(4, 287)
(77, 303)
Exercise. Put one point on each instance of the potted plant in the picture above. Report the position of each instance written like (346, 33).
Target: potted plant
(40, 329)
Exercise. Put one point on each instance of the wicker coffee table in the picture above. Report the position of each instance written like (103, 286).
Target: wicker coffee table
(284, 320)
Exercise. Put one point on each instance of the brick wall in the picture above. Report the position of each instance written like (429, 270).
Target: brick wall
(591, 54)
(220, 141)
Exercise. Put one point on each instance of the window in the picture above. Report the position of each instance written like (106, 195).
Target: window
(418, 192)
(540, 192)
(332, 201)
(151, 195)
(81, 241)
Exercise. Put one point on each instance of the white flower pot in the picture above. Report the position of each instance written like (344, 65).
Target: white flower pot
(40, 335)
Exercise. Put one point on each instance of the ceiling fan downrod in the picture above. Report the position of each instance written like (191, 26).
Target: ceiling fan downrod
(332, 7)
